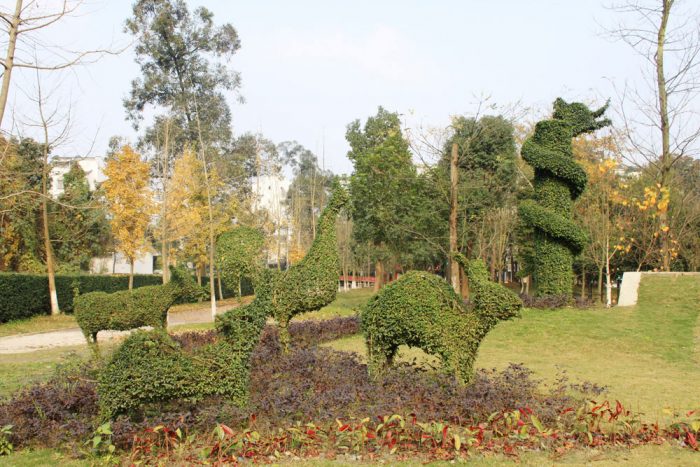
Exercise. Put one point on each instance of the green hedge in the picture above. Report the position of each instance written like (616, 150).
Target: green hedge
(26, 295)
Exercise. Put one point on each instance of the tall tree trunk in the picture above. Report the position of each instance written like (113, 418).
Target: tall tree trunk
(378, 275)
(13, 29)
(454, 181)
(666, 158)
(599, 294)
(608, 284)
(55, 310)
(218, 281)
(131, 273)
(164, 246)
(583, 282)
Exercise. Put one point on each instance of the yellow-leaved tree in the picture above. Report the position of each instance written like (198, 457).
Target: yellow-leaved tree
(129, 202)
(188, 213)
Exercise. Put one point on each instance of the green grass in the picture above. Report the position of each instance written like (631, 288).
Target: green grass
(345, 304)
(41, 458)
(21, 369)
(646, 355)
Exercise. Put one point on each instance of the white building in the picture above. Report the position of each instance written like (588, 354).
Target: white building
(92, 166)
(270, 193)
(117, 263)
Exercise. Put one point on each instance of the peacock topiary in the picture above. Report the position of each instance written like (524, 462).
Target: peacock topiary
(559, 180)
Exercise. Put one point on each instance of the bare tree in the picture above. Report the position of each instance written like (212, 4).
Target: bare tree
(660, 131)
(22, 26)
(53, 125)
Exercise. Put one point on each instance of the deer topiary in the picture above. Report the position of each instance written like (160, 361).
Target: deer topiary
(422, 310)
(309, 285)
(129, 309)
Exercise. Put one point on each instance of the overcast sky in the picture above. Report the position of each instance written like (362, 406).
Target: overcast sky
(311, 67)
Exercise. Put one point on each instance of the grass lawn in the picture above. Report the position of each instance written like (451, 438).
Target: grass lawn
(21, 369)
(647, 355)
(346, 304)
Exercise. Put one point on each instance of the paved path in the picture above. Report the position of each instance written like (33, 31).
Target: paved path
(70, 337)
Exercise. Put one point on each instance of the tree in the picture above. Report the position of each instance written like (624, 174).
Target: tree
(23, 27)
(599, 210)
(189, 216)
(663, 129)
(307, 193)
(129, 202)
(383, 171)
(183, 56)
(79, 223)
(238, 255)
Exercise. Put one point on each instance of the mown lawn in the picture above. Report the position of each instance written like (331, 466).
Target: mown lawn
(646, 355)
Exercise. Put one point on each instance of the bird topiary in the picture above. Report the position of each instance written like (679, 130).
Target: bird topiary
(559, 180)
(422, 310)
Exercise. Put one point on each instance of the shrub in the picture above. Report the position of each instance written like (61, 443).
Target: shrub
(238, 255)
(27, 295)
(422, 310)
(150, 367)
(129, 309)
(558, 181)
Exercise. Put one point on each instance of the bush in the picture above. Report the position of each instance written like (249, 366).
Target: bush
(422, 310)
(559, 180)
(150, 367)
(129, 309)
(27, 295)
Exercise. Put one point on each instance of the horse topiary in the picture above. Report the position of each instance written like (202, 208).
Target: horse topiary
(422, 310)
(559, 180)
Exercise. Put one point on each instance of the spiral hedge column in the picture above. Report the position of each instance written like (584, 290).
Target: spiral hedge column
(559, 180)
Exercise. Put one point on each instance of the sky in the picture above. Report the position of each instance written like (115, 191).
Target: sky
(309, 68)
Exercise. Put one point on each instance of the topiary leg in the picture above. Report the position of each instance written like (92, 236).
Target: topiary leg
(285, 338)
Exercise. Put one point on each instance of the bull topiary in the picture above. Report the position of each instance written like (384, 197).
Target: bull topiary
(129, 309)
(422, 310)
(559, 180)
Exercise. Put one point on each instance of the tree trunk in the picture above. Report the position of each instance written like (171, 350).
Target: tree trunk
(583, 283)
(454, 181)
(131, 273)
(218, 280)
(599, 295)
(666, 158)
(240, 288)
(55, 310)
(164, 250)
(13, 29)
(608, 285)
(378, 275)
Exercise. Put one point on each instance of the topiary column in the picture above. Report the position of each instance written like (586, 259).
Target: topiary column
(559, 180)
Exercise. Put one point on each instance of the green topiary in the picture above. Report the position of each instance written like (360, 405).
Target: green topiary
(422, 310)
(312, 283)
(559, 180)
(238, 255)
(149, 367)
(308, 285)
(129, 309)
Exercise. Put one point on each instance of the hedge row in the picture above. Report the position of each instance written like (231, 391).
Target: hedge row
(26, 295)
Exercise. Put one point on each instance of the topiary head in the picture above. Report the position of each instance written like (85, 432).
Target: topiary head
(185, 286)
(339, 197)
(579, 116)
